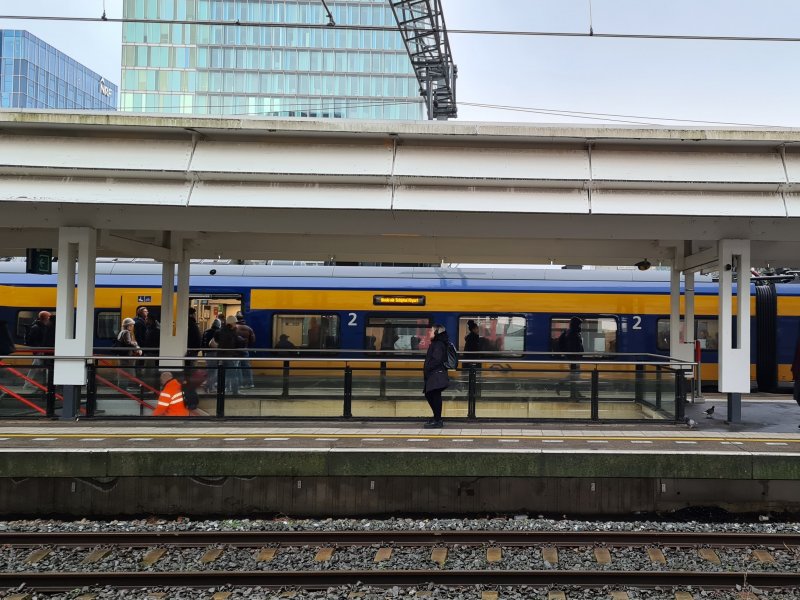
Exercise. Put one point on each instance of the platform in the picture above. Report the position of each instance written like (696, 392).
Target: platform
(328, 469)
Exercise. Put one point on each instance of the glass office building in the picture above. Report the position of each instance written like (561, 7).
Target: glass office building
(283, 70)
(33, 74)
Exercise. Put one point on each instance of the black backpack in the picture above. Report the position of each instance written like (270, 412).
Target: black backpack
(451, 360)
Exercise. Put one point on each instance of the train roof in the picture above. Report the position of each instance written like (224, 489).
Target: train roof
(226, 276)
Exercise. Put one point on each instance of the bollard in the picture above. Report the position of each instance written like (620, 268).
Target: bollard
(472, 391)
(347, 409)
(595, 395)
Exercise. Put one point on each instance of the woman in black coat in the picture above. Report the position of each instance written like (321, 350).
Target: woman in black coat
(436, 379)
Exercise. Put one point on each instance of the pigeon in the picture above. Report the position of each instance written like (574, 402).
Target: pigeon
(709, 412)
(690, 423)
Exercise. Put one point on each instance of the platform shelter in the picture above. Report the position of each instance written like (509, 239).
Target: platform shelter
(176, 188)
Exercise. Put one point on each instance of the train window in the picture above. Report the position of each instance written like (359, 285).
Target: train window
(495, 334)
(108, 325)
(398, 333)
(25, 319)
(706, 332)
(599, 333)
(306, 331)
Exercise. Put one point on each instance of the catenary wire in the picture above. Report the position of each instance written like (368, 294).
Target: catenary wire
(392, 29)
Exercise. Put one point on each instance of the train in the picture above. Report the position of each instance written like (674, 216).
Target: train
(391, 310)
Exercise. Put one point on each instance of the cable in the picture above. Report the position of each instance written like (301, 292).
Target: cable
(599, 115)
(391, 29)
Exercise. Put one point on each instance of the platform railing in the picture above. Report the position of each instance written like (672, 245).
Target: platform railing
(361, 385)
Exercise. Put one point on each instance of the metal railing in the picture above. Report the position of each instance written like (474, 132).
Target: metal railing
(363, 385)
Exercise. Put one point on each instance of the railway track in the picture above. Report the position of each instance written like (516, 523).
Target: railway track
(432, 549)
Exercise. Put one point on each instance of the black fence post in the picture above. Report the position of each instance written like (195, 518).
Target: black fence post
(285, 390)
(658, 386)
(91, 390)
(50, 394)
(680, 394)
(221, 388)
(638, 384)
(382, 383)
(595, 395)
(347, 409)
(472, 390)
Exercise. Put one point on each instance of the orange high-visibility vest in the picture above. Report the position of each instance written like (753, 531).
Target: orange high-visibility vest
(170, 402)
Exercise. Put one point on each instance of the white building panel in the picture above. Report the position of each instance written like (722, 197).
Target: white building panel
(489, 166)
(686, 165)
(507, 200)
(718, 204)
(793, 168)
(94, 154)
(95, 191)
(792, 205)
(299, 162)
(277, 195)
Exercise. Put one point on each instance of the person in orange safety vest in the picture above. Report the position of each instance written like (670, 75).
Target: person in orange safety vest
(170, 402)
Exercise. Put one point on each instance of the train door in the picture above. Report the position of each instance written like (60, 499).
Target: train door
(214, 306)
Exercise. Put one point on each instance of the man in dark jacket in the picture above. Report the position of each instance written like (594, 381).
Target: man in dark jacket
(194, 339)
(229, 345)
(435, 373)
(40, 335)
(244, 331)
(572, 341)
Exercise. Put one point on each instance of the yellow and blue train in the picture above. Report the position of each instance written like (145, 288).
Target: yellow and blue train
(391, 310)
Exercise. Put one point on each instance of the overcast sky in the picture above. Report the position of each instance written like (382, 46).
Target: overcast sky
(739, 82)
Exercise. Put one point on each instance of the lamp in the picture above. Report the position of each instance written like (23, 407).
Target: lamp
(643, 265)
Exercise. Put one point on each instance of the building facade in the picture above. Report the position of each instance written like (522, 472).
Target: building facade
(279, 67)
(33, 74)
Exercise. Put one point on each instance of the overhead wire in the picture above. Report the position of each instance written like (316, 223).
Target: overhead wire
(393, 29)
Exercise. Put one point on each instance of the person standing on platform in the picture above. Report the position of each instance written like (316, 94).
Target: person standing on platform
(38, 336)
(194, 339)
(244, 331)
(209, 352)
(140, 336)
(230, 345)
(435, 373)
(571, 341)
(796, 371)
(170, 401)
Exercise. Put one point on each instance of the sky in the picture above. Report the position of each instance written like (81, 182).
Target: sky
(749, 83)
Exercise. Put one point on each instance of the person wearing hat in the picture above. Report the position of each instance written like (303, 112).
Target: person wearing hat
(170, 400)
(230, 345)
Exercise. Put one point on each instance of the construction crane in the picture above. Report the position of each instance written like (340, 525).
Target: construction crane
(424, 33)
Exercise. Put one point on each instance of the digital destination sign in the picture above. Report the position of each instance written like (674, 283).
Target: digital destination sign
(379, 300)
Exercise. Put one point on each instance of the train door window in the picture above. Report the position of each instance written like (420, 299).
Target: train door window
(706, 332)
(599, 333)
(496, 334)
(305, 331)
(108, 325)
(405, 333)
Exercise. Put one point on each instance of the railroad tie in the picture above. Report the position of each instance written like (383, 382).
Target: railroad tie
(746, 595)
(709, 555)
(210, 556)
(37, 555)
(556, 595)
(221, 596)
(489, 595)
(153, 556)
(22, 596)
(550, 556)
(683, 596)
(602, 556)
(86, 597)
(656, 556)
(382, 554)
(96, 555)
(619, 595)
(288, 595)
(763, 556)
(324, 555)
(156, 595)
(494, 555)
(266, 554)
(439, 555)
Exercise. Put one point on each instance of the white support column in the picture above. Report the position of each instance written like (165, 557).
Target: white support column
(688, 281)
(74, 334)
(168, 345)
(674, 310)
(175, 307)
(734, 351)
